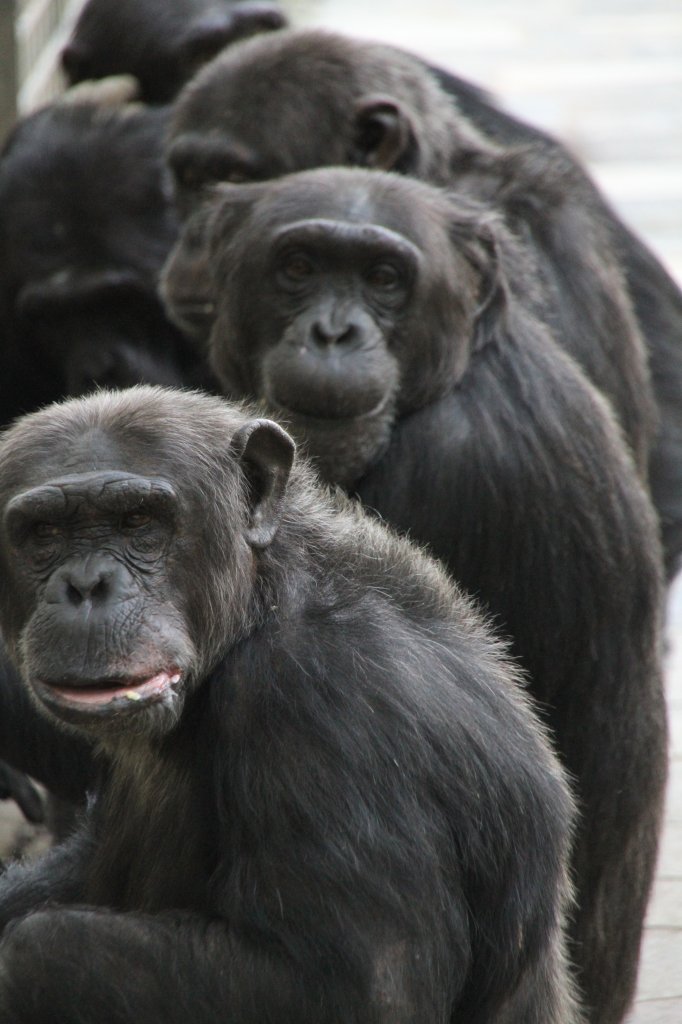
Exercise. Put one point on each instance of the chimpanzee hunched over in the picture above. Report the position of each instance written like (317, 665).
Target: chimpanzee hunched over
(327, 797)
(392, 328)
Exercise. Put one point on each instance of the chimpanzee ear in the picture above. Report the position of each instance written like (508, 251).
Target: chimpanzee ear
(492, 294)
(265, 453)
(384, 138)
(481, 249)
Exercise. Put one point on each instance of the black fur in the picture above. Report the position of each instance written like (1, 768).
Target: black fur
(376, 106)
(85, 225)
(657, 303)
(489, 445)
(160, 42)
(339, 807)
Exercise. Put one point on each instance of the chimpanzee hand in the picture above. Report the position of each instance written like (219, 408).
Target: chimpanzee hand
(16, 786)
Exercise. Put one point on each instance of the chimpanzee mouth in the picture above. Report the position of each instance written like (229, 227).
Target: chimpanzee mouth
(195, 315)
(330, 418)
(111, 694)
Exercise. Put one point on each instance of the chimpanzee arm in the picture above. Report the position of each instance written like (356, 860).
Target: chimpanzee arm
(162, 968)
(54, 878)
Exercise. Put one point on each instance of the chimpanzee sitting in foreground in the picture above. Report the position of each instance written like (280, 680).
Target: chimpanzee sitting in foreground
(160, 42)
(392, 327)
(328, 799)
(85, 226)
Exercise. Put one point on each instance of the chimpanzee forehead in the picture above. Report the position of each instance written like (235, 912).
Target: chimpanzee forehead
(97, 450)
(408, 208)
(347, 238)
(103, 491)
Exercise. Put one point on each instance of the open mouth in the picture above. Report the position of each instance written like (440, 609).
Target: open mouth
(117, 692)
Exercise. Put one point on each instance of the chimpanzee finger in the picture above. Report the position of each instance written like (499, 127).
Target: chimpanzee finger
(16, 786)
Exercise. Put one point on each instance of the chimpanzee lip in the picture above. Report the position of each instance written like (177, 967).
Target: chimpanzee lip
(205, 308)
(195, 313)
(120, 691)
(323, 421)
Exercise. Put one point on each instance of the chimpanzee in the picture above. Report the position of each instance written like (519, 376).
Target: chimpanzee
(376, 106)
(85, 225)
(573, 270)
(160, 42)
(327, 798)
(387, 324)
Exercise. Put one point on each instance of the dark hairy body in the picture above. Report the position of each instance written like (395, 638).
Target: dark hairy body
(86, 223)
(327, 797)
(375, 106)
(160, 42)
(390, 326)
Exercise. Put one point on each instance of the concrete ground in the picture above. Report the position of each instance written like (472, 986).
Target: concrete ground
(659, 995)
(607, 78)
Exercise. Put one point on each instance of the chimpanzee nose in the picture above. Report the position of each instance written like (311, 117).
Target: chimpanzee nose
(327, 335)
(86, 583)
(92, 582)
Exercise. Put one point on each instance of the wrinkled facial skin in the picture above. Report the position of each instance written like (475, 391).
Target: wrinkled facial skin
(103, 640)
(332, 296)
(342, 303)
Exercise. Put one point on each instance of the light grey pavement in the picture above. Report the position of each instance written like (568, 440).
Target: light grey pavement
(659, 995)
(606, 77)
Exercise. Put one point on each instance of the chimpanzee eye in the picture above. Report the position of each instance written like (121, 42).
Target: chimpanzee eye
(187, 176)
(135, 520)
(296, 266)
(235, 176)
(46, 531)
(384, 276)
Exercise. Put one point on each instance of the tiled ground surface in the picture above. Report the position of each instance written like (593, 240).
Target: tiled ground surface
(607, 78)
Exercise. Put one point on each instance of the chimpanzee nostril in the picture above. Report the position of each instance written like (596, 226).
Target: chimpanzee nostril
(82, 586)
(325, 336)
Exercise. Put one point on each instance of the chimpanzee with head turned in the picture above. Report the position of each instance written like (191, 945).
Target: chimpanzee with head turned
(160, 42)
(389, 325)
(378, 107)
(85, 225)
(328, 799)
